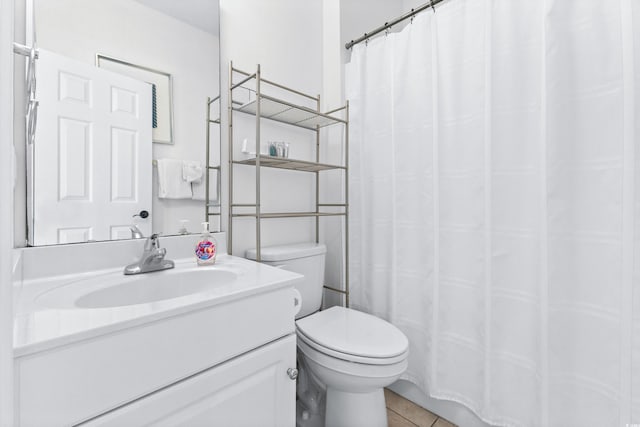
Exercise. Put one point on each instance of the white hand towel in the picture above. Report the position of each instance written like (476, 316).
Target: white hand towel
(191, 171)
(198, 188)
(170, 182)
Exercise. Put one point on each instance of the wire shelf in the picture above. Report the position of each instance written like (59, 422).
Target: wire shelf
(285, 112)
(291, 164)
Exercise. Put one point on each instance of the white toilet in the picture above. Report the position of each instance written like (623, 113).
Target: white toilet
(351, 355)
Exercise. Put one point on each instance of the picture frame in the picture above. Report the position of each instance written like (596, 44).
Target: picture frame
(162, 88)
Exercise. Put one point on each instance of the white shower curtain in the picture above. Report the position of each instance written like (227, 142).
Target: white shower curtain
(495, 204)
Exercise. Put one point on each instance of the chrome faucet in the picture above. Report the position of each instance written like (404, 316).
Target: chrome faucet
(135, 232)
(152, 258)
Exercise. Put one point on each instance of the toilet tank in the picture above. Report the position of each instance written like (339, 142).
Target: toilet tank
(302, 258)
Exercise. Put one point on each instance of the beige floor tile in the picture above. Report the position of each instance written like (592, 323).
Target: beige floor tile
(396, 420)
(409, 410)
(443, 423)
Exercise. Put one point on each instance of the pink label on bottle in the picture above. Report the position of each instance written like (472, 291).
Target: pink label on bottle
(205, 250)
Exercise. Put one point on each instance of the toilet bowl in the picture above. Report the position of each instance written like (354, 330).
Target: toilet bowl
(354, 355)
(350, 355)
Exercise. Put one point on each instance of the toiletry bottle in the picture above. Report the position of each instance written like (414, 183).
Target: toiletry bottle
(207, 247)
(183, 226)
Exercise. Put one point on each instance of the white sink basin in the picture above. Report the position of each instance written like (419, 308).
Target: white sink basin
(117, 290)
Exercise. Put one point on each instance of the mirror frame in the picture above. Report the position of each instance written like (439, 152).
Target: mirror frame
(104, 58)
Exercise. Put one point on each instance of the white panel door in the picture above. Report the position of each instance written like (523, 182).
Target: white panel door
(92, 153)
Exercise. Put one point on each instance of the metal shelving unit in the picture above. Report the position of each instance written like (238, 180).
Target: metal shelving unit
(212, 209)
(266, 106)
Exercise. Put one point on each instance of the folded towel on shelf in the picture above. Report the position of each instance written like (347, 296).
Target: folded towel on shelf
(191, 171)
(171, 185)
(198, 188)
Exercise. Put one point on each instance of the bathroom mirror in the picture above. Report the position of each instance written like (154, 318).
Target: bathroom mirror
(144, 70)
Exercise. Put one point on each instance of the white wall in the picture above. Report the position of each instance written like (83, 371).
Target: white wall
(301, 45)
(6, 212)
(285, 38)
(127, 30)
(297, 44)
(19, 103)
(362, 16)
(407, 5)
(332, 183)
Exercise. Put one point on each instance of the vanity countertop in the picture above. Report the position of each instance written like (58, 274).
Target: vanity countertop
(39, 326)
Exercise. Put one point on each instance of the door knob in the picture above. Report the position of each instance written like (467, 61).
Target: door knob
(143, 214)
(293, 373)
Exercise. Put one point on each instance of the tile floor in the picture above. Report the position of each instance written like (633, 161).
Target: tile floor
(404, 413)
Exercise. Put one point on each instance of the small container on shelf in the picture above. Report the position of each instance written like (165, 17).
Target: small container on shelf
(279, 149)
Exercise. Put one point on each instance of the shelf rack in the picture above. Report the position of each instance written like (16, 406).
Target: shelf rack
(268, 107)
(212, 209)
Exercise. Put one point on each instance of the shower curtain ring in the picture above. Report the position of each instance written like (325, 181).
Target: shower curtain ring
(432, 7)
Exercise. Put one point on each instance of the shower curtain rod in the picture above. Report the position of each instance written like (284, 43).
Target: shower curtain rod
(388, 25)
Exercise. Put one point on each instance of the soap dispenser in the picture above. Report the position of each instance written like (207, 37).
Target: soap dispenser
(207, 247)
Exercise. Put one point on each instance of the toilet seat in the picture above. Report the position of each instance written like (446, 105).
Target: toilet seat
(353, 336)
(364, 372)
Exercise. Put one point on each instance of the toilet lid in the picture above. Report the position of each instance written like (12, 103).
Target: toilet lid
(353, 332)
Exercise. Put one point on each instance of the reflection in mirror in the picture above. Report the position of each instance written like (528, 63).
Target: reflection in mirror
(122, 122)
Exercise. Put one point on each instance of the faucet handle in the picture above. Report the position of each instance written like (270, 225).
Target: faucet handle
(152, 242)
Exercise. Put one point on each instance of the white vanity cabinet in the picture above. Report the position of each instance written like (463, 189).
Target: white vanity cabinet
(251, 390)
(221, 362)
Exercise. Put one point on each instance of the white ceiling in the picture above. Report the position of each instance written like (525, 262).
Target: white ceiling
(202, 14)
